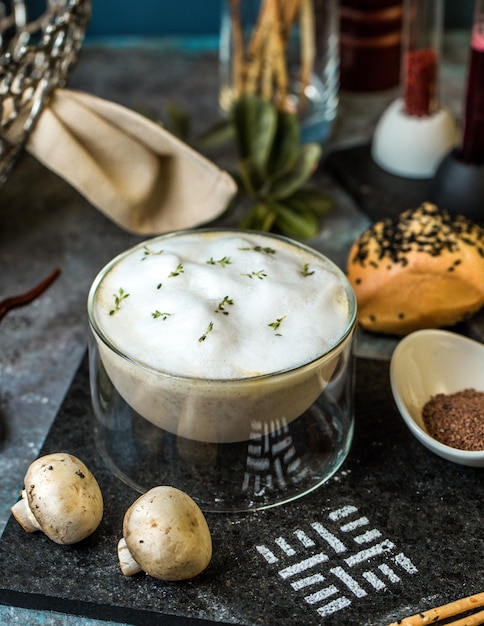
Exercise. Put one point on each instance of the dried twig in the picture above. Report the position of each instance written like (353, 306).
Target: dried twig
(262, 67)
(289, 11)
(308, 48)
(238, 46)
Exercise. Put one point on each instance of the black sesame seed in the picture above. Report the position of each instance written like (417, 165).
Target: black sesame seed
(428, 230)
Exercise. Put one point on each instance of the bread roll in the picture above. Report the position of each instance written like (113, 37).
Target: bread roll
(422, 269)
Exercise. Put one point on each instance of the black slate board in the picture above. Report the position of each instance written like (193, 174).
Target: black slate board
(396, 531)
(377, 193)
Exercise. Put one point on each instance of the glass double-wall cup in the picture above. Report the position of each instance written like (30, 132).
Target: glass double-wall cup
(233, 444)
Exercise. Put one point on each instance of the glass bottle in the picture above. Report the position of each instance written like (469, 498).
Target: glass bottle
(286, 51)
(472, 150)
(416, 132)
(421, 56)
(370, 44)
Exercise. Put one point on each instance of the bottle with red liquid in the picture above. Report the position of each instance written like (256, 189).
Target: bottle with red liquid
(420, 59)
(416, 131)
(472, 150)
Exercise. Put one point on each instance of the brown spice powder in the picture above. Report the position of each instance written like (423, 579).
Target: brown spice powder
(456, 419)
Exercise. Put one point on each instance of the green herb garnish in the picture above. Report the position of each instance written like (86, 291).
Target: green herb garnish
(179, 270)
(305, 270)
(220, 307)
(275, 325)
(224, 261)
(260, 275)
(147, 252)
(118, 298)
(158, 314)
(209, 330)
(260, 249)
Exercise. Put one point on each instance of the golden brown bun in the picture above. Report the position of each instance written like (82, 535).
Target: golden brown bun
(422, 269)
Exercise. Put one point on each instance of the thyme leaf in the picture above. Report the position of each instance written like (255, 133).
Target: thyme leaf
(260, 275)
(148, 252)
(224, 261)
(275, 325)
(156, 314)
(220, 307)
(204, 336)
(266, 250)
(305, 270)
(118, 298)
(179, 270)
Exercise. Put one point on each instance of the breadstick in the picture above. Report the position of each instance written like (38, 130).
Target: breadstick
(451, 609)
(476, 619)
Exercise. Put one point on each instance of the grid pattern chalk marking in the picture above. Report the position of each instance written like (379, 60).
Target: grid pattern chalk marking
(336, 561)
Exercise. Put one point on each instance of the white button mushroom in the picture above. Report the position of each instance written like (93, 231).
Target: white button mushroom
(165, 535)
(61, 498)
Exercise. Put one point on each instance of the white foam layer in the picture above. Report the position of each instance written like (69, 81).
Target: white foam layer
(221, 305)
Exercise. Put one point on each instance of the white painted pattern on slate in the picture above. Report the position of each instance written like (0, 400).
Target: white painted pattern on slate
(336, 561)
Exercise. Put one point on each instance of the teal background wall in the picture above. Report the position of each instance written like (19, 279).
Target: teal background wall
(151, 18)
(155, 17)
(190, 17)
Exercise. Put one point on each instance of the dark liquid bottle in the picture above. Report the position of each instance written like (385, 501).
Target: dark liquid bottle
(370, 44)
(473, 134)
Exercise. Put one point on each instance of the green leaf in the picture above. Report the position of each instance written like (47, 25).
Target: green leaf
(255, 122)
(302, 168)
(302, 225)
(250, 177)
(313, 200)
(179, 121)
(261, 216)
(286, 142)
(216, 135)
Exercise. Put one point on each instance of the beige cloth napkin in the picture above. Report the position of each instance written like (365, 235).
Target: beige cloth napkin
(130, 168)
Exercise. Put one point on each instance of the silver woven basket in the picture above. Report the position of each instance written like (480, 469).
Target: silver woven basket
(37, 53)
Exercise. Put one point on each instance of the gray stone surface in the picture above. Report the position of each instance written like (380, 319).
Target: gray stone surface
(395, 530)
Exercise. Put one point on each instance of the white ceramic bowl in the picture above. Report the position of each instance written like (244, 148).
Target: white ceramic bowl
(411, 146)
(428, 362)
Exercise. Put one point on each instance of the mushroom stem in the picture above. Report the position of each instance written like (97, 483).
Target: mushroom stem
(24, 516)
(126, 561)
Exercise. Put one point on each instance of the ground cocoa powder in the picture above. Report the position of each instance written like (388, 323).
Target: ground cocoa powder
(456, 419)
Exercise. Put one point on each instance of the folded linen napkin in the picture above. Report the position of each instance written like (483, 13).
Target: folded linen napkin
(130, 168)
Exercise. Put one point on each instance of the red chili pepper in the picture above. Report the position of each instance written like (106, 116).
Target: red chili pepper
(26, 298)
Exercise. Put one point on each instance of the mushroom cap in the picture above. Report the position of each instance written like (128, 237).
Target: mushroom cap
(64, 497)
(167, 534)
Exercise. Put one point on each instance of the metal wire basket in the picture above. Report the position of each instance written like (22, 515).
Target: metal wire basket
(37, 53)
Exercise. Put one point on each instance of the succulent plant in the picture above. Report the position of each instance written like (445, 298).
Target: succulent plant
(273, 170)
(273, 166)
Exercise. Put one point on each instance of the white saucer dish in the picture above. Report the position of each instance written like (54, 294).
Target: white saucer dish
(410, 146)
(428, 362)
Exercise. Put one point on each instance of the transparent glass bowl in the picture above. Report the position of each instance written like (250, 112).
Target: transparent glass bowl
(233, 445)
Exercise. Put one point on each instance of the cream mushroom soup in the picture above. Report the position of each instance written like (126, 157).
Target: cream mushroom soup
(203, 331)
